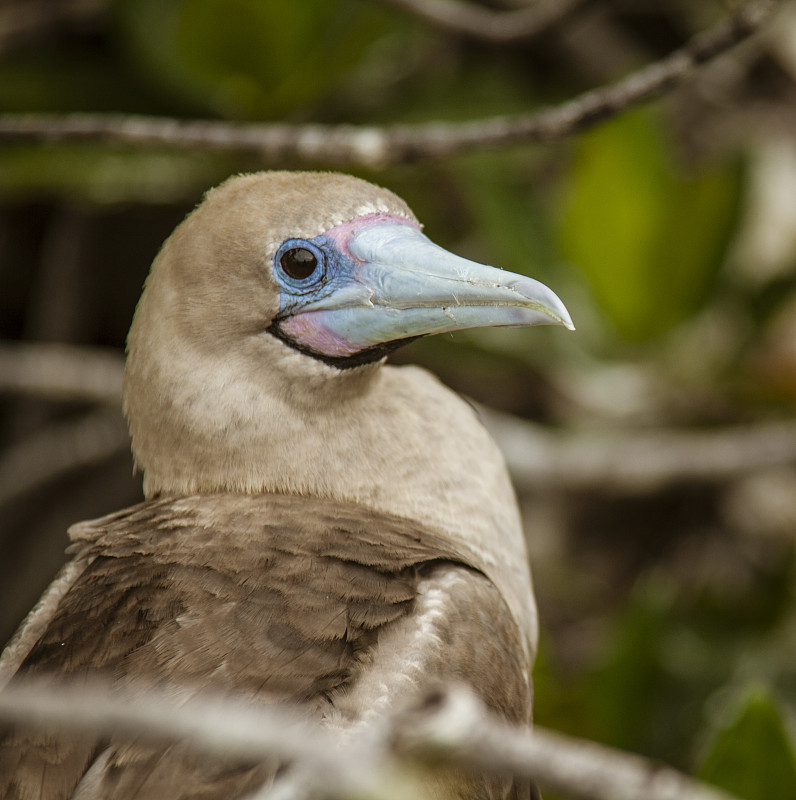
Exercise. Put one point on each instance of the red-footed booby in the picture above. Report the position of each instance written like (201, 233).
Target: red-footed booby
(319, 528)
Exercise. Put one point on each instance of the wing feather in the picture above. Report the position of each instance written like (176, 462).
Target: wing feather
(274, 597)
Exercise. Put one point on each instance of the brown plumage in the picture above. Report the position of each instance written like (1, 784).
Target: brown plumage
(337, 536)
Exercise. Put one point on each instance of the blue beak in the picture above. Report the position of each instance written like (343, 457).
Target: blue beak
(384, 281)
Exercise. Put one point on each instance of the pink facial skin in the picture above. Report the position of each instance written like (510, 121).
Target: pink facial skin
(341, 235)
(308, 329)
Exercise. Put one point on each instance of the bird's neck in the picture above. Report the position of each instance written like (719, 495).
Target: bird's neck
(391, 438)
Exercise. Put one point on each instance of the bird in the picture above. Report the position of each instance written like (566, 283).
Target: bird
(320, 529)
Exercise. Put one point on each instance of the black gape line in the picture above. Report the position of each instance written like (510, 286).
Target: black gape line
(366, 356)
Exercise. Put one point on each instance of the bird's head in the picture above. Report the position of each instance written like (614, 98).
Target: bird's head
(280, 275)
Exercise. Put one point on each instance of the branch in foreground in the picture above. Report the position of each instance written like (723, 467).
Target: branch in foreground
(453, 727)
(484, 23)
(347, 145)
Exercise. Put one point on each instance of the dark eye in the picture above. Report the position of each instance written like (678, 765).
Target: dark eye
(298, 263)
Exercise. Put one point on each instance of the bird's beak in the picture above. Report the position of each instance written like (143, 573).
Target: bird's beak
(402, 286)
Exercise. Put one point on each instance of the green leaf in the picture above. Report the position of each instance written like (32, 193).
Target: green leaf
(752, 755)
(649, 239)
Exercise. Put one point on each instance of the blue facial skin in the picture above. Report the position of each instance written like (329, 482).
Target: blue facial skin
(332, 288)
(333, 273)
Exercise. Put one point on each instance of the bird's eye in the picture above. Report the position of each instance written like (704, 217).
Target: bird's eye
(300, 266)
(298, 263)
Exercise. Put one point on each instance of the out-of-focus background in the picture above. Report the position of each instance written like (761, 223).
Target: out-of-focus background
(654, 450)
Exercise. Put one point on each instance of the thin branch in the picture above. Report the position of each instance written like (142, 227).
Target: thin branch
(452, 726)
(624, 460)
(61, 371)
(487, 24)
(59, 449)
(346, 145)
(215, 726)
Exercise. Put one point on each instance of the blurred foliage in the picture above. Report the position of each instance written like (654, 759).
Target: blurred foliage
(666, 674)
(753, 756)
(669, 619)
(649, 239)
(245, 59)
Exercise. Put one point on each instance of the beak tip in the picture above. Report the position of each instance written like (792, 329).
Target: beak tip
(558, 311)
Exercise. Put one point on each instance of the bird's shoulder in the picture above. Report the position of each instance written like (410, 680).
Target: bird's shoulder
(274, 597)
(250, 577)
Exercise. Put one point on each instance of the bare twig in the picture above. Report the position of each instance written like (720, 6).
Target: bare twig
(484, 23)
(61, 371)
(637, 461)
(58, 449)
(453, 727)
(229, 728)
(215, 726)
(378, 146)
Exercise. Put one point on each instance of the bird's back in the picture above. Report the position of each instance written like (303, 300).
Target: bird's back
(271, 597)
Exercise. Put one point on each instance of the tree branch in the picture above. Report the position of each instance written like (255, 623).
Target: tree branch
(347, 145)
(58, 449)
(484, 23)
(637, 461)
(56, 371)
(451, 726)
(454, 727)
